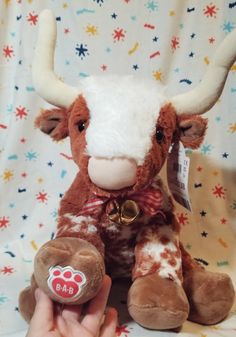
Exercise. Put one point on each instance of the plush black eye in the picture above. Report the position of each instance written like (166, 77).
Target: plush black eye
(159, 136)
(81, 125)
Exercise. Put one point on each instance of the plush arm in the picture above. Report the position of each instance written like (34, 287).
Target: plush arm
(73, 224)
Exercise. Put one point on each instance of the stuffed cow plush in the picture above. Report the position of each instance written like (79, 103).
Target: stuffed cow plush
(117, 215)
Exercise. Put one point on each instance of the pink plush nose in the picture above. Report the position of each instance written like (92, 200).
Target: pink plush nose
(112, 174)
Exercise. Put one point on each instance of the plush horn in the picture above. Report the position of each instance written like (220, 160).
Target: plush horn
(204, 96)
(46, 83)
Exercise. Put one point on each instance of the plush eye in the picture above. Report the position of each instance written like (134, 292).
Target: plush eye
(159, 136)
(81, 125)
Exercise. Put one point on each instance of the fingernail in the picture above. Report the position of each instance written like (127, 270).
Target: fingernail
(37, 294)
(111, 310)
(107, 309)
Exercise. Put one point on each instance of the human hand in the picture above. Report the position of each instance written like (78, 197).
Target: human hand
(46, 323)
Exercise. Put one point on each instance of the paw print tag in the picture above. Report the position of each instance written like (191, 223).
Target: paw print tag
(66, 282)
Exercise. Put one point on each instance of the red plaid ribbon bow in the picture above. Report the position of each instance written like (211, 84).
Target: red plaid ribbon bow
(149, 200)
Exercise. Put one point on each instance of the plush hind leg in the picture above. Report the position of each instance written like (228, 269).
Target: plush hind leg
(211, 295)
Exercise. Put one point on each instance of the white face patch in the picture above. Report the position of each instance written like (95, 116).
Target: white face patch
(123, 115)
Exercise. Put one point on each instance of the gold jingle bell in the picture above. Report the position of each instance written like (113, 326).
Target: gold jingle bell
(124, 213)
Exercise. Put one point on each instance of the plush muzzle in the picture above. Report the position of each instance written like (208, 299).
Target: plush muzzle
(112, 174)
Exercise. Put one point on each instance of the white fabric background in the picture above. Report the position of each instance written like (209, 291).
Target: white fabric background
(34, 172)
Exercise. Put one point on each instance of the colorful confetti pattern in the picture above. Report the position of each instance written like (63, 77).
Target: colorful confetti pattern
(171, 41)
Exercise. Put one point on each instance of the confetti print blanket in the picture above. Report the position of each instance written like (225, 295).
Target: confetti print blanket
(171, 41)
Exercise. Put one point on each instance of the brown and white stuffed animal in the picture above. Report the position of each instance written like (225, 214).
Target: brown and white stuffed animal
(117, 216)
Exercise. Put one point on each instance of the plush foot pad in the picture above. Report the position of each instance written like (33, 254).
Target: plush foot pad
(69, 270)
(211, 296)
(157, 303)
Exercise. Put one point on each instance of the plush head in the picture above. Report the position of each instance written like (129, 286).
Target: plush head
(121, 128)
(121, 131)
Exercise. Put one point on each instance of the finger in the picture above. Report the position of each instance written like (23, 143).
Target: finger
(67, 315)
(110, 323)
(96, 307)
(72, 312)
(70, 327)
(43, 313)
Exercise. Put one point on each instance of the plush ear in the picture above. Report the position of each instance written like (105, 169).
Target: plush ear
(54, 123)
(192, 129)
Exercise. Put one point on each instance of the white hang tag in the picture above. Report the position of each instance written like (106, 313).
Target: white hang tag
(177, 175)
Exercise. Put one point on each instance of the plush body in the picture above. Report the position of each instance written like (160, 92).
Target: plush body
(117, 216)
(120, 243)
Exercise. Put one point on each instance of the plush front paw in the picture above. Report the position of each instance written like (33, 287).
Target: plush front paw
(157, 303)
(69, 270)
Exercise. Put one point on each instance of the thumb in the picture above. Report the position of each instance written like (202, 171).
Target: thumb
(43, 312)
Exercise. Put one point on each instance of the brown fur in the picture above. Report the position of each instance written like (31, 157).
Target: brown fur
(192, 130)
(54, 123)
(168, 122)
(173, 127)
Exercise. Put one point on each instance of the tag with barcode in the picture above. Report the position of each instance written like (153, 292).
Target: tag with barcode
(177, 175)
